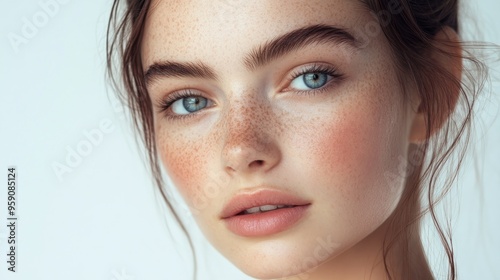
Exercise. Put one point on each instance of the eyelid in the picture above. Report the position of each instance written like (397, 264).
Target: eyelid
(176, 95)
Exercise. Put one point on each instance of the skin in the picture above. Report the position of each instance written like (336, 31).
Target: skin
(333, 148)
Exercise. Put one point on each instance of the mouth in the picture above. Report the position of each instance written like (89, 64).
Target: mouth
(263, 213)
(264, 208)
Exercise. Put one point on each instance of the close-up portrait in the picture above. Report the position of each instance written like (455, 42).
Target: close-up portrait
(239, 140)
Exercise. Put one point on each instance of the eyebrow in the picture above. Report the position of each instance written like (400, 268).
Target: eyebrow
(167, 69)
(296, 39)
(259, 56)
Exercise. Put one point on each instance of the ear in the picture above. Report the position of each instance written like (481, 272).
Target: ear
(448, 55)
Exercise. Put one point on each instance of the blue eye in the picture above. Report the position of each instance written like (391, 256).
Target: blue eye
(183, 104)
(313, 78)
(311, 81)
(188, 105)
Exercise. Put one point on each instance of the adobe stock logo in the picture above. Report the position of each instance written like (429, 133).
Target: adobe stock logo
(325, 247)
(84, 147)
(31, 26)
(121, 275)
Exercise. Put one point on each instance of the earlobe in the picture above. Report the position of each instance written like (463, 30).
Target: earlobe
(447, 54)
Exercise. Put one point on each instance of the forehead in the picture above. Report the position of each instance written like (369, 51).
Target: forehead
(204, 30)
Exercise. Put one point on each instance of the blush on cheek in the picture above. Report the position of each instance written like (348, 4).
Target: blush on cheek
(187, 166)
(351, 147)
(182, 165)
(355, 151)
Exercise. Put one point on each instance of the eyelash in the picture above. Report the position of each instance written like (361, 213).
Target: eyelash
(315, 68)
(167, 102)
(322, 69)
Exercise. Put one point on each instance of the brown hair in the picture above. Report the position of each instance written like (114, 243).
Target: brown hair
(411, 31)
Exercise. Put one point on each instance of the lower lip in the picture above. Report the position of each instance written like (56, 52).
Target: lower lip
(265, 223)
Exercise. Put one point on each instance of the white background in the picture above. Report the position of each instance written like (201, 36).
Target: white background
(101, 220)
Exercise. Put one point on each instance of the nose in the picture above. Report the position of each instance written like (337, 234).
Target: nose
(250, 143)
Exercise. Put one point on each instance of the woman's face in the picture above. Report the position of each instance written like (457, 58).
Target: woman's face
(278, 116)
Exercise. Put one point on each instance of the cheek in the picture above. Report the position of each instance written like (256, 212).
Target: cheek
(183, 162)
(351, 158)
(188, 159)
(355, 146)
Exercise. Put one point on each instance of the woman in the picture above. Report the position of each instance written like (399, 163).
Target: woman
(306, 137)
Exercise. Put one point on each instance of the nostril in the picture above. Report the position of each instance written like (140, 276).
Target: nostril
(257, 163)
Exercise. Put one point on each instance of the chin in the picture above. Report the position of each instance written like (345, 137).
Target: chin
(283, 257)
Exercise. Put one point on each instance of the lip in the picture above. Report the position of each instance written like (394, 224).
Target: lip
(264, 223)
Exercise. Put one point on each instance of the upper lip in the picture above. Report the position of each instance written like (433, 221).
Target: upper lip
(246, 200)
